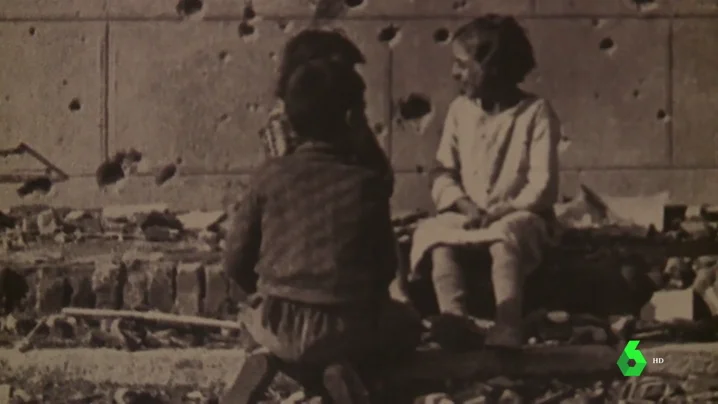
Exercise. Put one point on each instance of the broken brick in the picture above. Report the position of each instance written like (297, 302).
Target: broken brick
(107, 283)
(216, 295)
(189, 288)
(161, 285)
(52, 291)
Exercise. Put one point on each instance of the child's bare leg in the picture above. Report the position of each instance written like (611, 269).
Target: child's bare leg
(508, 281)
(448, 281)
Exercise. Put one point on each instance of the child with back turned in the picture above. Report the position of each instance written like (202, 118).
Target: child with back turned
(313, 238)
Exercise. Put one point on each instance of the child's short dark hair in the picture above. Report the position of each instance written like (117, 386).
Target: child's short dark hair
(318, 97)
(499, 41)
(314, 44)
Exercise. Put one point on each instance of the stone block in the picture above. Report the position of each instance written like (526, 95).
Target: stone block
(695, 55)
(216, 294)
(52, 290)
(51, 98)
(53, 8)
(135, 293)
(108, 283)
(691, 187)
(209, 192)
(383, 8)
(161, 286)
(190, 288)
(79, 278)
(205, 99)
(612, 99)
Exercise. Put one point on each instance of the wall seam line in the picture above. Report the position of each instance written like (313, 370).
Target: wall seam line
(669, 93)
(105, 93)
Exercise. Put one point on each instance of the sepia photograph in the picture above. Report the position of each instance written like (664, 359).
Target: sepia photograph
(358, 201)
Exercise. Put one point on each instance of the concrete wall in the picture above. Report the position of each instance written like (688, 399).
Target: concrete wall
(635, 84)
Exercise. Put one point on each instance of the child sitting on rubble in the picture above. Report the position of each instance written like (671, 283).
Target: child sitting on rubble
(497, 167)
(313, 236)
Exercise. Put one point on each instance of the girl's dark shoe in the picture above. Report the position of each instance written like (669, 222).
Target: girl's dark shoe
(252, 381)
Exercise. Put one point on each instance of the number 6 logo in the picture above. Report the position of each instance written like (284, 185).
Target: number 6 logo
(630, 352)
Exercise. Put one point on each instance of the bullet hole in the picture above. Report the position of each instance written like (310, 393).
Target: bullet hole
(636, 93)
(41, 185)
(661, 114)
(388, 34)
(596, 95)
(441, 35)
(188, 7)
(248, 13)
(31, 31)
(273, 56)
(597, 22)
(459, 5)
(606, 44)
(64, 82)
(165, 174)
(413, 107)
(223, 56)
(74, 105)
(7, 98)
(419, 169)
(224, 118)
(115, 168)
(245, 29)
(353, 3)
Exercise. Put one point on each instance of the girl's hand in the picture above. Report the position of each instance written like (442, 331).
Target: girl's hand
(475, 215)
(497, 212)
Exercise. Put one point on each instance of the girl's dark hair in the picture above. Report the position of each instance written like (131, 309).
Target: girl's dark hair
(500, 42)
(318, 96)
(314, 44)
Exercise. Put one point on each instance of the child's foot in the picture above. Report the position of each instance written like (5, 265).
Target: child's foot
(252, 381)
(344, 386)
(502, 336)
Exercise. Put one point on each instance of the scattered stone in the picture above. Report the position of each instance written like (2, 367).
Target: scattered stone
(510, 397)
(198, 221)
(130, 212)
(47, 223)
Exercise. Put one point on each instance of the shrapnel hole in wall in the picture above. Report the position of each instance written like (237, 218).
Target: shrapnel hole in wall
(415, 106)
(607, 45)
(442, 35)
(389, 35)
(74, 105)
(354, 3)
(246, 29)
(189, 7)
